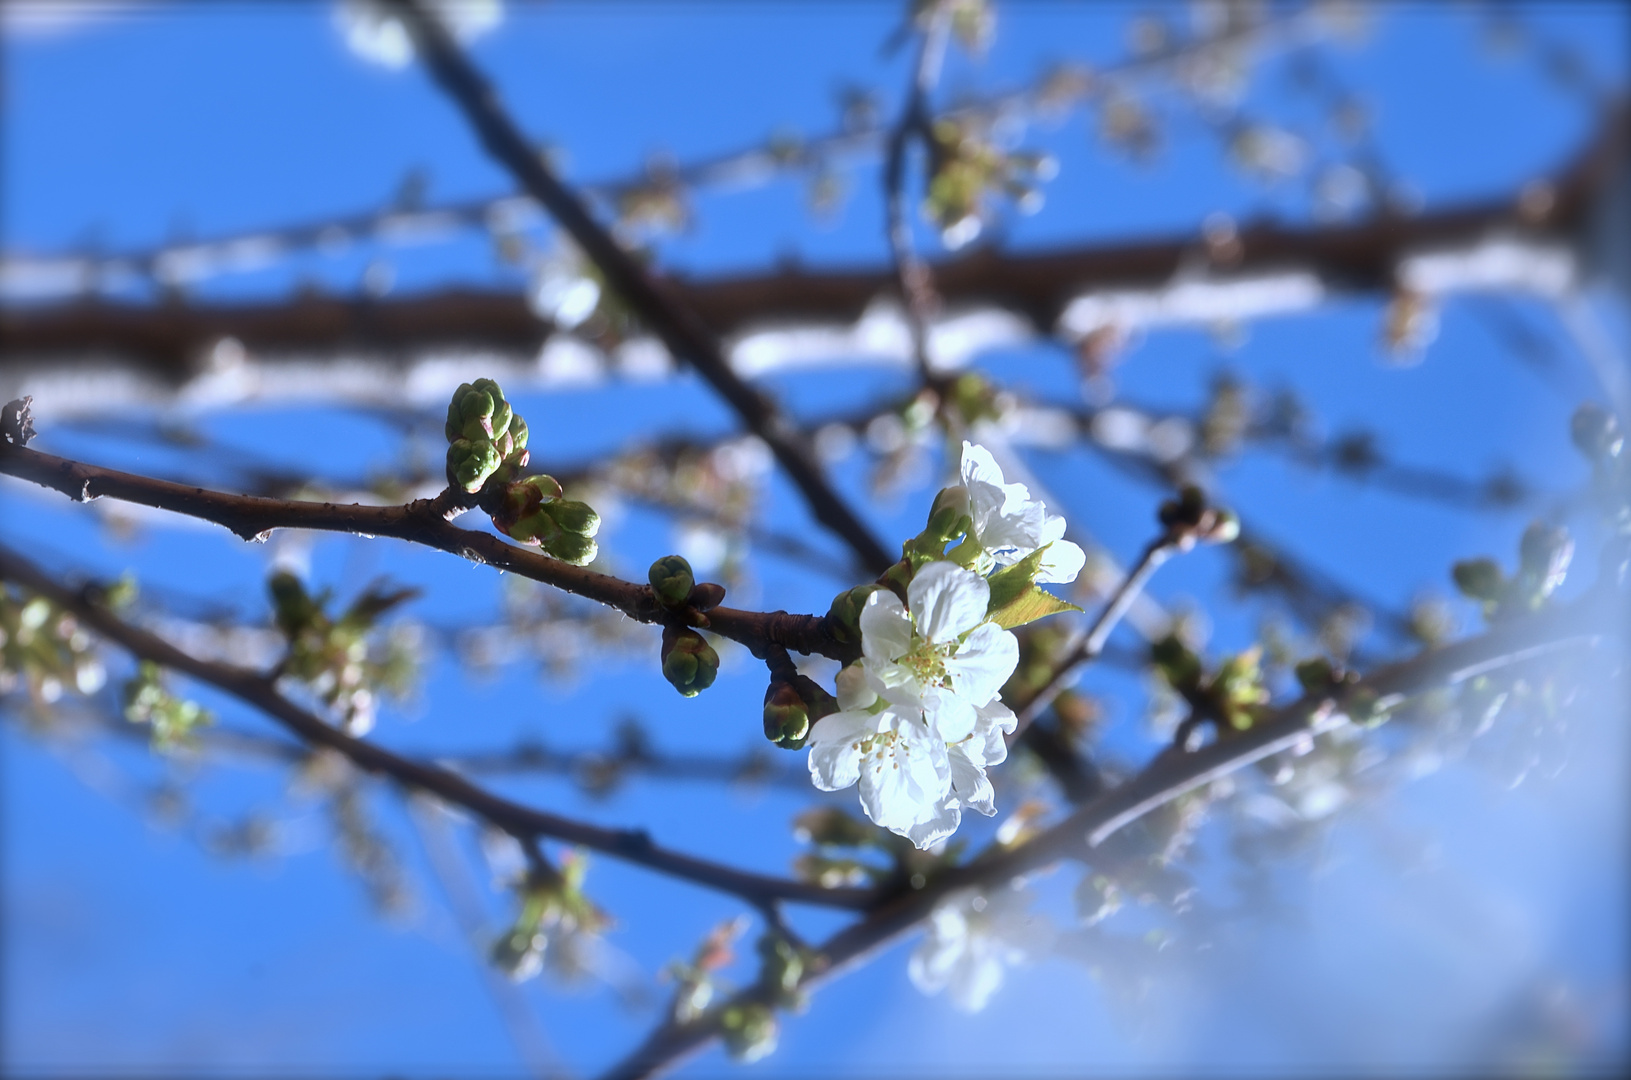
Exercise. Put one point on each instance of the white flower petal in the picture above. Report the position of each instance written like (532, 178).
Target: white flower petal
(951, 716)
(886, 629)
(988, 747)
(906, 781)
(835, 761)
(937, 827)
(979, 466)
(1061, 561)
(970, 784)
(946, 601)
(853, 691)
(983, 663)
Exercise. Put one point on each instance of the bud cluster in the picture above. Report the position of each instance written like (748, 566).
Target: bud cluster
(1231, 698)
(45, 649)
(552, 904)
(487, 449)
(965, 169)
(171, 719)
(791, 706)
(533, 511)
(689, 662)
(484, 436)
(333, 656)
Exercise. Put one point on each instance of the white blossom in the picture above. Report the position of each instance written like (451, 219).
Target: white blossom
(973, 936)
(919, 719)
(1007, 524)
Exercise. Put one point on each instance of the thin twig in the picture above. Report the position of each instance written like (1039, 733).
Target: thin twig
(681, 329)
(1092, 641)
(911, 272)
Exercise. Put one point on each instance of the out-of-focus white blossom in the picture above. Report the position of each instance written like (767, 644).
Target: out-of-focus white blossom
(973, 936)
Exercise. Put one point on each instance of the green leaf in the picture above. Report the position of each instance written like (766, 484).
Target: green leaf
(1032, 604)
(1011, 582)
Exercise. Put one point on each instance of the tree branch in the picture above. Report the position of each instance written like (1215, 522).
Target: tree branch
(423, 521)
(254, 688)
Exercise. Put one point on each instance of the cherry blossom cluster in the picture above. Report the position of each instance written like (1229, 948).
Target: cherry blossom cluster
(920, 720)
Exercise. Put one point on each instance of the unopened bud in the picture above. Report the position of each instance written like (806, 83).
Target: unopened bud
(572, 548)
(749, 1030)
(1479, 579)
(844, 616)
(1316, 676)
(575, 517)
(294, 607)
(689, 662)
(781, 966)
(1183, 514)
(470, 463)
(787, 719)
(948, 517)
(1172, 658)
(671, 580)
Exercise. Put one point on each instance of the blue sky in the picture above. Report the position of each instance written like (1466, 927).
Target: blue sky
(127, 948)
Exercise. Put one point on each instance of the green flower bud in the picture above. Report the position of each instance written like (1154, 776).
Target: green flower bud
(749, 1031)
(500, 421)
(781, 967)
(844, 616)
(575, 517)
(454, 428)
(470, 463)
(535, 527)
(689, 662)
(547, 486)
(1364, 708)
(787, 719)
(1172, 658)
(572, 548)
(1596, 433)
(475, 415)
(671, 580)
(1479, 579)
(1316, 676)
(294, 608)
(948, 517)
